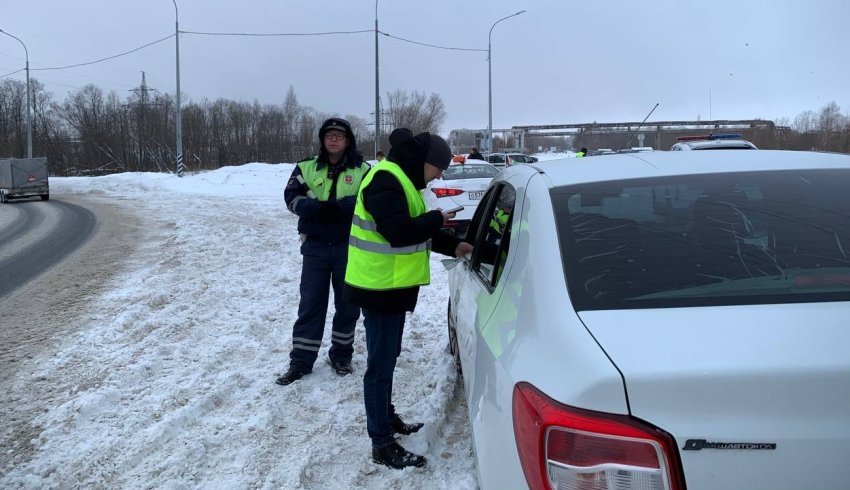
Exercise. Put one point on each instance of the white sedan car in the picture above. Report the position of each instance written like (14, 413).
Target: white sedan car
(659, 320)
(461, 185)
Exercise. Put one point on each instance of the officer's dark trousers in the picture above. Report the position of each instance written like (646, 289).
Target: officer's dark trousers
(323, 265)
(383, 343)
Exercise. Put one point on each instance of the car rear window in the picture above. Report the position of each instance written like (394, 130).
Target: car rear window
(469, 171)
(720, 239)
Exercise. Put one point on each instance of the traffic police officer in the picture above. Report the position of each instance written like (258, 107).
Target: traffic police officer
(322, 191)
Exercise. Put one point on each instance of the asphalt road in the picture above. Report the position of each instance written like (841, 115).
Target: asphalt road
(56, 260)
(35, 235)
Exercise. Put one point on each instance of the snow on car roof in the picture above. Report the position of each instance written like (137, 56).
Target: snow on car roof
(662, 163)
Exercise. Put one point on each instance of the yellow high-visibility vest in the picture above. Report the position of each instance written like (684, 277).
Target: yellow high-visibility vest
(372, 262)
(348, 181)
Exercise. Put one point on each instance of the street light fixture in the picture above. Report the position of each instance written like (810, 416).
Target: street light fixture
(490, 81)
(377, 91)
(29, 106)
(180, 166)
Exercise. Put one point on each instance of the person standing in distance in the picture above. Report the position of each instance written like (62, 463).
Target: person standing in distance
(392, 235)
(322, 191)
(474, 154)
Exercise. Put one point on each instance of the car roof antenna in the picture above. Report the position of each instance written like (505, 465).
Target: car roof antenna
(629, 139)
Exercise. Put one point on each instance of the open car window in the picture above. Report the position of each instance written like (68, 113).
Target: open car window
(492, 239)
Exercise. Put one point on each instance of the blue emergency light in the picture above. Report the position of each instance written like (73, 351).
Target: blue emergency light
(728, 136)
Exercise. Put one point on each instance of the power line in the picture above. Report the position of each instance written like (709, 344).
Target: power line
(431, 45)
(107, 58)
(329, 33)
(199, 33)
(12, 73)
(274, 34)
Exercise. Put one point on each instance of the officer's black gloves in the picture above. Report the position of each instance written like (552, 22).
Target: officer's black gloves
(346, 205)
(329, 211)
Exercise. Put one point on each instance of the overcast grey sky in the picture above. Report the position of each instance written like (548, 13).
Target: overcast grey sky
(560, 62)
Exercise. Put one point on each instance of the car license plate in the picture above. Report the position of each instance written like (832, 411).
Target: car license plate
(476, 195)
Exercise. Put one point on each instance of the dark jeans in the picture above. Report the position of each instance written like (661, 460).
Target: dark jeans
(383, 342)
(323, 265)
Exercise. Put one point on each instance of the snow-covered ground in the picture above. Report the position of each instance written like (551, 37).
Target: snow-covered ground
(176, 363)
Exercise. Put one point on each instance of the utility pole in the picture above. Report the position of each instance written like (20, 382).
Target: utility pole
(377, 90)
(29, 105)
(490, 80)
(180, 166)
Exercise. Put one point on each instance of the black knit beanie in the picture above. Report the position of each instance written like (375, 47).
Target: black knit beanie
(439, 154)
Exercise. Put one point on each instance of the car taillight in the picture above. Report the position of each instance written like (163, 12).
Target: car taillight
(445, 192)
(562, 447)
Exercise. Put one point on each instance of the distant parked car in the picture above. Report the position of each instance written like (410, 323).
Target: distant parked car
(712, 142)
(461, 185)
(659, 320)
(508, 159)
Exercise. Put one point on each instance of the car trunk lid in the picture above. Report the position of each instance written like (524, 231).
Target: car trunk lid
(756, 396)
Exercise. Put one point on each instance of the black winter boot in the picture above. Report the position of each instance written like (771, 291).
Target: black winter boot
(341, 367)
(397, 457)
(291, 376)
(399, 427)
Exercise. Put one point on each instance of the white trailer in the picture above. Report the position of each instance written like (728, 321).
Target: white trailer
(23, 178)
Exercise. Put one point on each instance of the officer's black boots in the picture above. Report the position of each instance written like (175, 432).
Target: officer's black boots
(341, 367)
(397, 457)
(294, 374)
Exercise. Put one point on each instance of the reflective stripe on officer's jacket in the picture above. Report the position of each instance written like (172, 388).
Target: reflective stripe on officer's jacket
(372, 262)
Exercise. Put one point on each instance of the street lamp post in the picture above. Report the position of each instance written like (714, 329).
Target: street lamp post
(180, 166)
(490, 81)
(29, 106)
(377, 91)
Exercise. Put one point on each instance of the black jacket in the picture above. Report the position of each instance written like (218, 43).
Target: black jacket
(385, 200)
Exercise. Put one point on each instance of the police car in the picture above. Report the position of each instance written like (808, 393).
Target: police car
(712, 142)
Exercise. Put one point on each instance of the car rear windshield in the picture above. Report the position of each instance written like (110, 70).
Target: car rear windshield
(694, 240)
(469, 171)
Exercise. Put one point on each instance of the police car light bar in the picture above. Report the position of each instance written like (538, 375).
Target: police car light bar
(729, 136)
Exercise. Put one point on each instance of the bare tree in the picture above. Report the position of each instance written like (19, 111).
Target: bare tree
(415, 111)
(362, 133)
(830, 118)
(805, 121)
(13, 118)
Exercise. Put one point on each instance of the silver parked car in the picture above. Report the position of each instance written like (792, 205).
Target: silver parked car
(460, 185)
(731, 141)
(659, 320)
(507, 159)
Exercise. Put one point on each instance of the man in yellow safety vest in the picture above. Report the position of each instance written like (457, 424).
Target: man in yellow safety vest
(392, 234)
